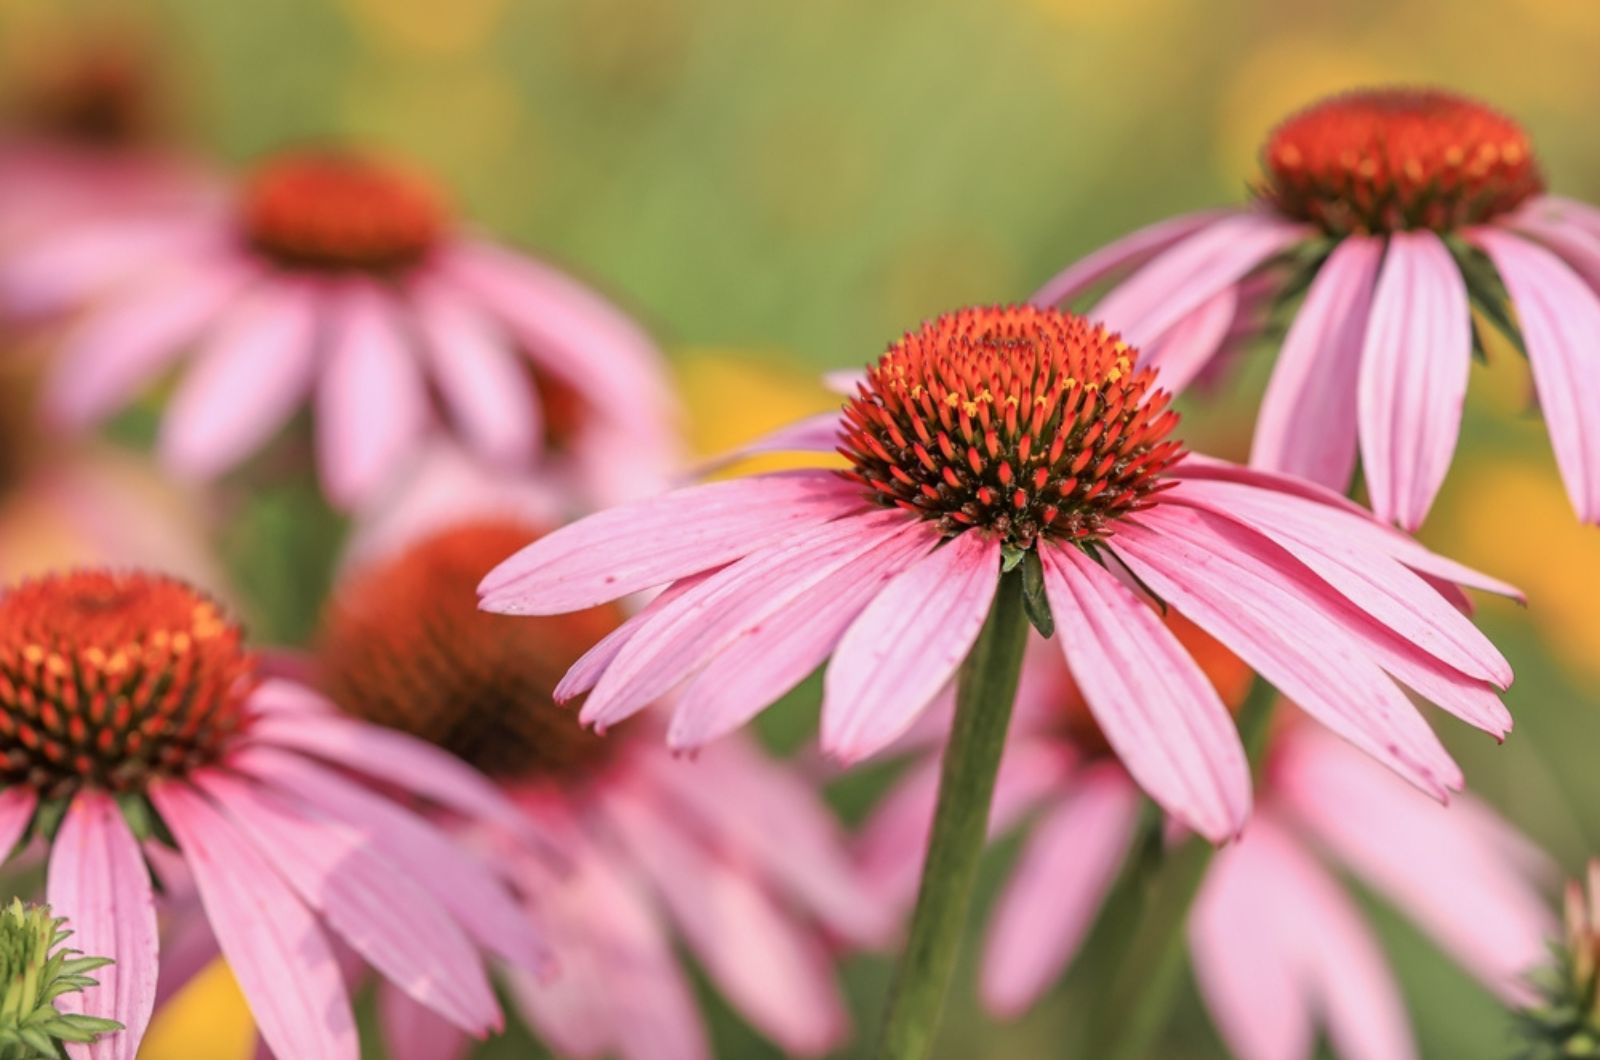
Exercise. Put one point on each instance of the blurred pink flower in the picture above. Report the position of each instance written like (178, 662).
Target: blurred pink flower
(133, 715)
(731, 851)
(341, 280)
(1275, 940)
(991, 430)
(1402, 210)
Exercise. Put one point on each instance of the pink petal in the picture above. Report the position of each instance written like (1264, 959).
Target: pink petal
(416, 1032)
(16, 810)
(771, 969)
(691, 630)
(488, 391)
(814, 434)
(1128, 252)
(1307, 422)
(68, 268)
(188, 949)
(593, 663)
(1215, 574)
(1561, 326)
(906, 644)
(273, 945)
(458, 882)
(384, 916)
(1180, 355)
(1183, 278)
(1447, 868)
(98, 881)
(1047, 906)
(245, 383)
(1157, 708)
(655, 541)
(371, 404)
(768, 660)
(121, 346)
(1413, 380)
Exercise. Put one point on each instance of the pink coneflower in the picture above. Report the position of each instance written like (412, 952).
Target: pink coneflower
(1277, 944)
(131, 714)
(345, 281)
(1397, 211)
(729, 851)
(987, 435)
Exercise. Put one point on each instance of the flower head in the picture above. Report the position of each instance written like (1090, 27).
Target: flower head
(890, 567)
(729, 846)
(37, 978)
(1412, 220)
(131, 712)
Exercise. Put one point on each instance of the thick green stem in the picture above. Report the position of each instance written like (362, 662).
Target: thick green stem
(984, 697)
(1149, 965)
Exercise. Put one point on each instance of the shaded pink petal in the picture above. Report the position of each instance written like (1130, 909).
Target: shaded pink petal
(651, 542)
(477, 900)
(1157, 708)
(1146, 306)
(814, 434)
(272, 943)
(68, 268)
(761, 807)
(394, 757)
(583, 674)
(1350, 518)
(894, 840)
(1056, 888)
(122, 346)
(689, 631)
(246, 381)
(1379, 585)
(1214, 573)
(773, 970)
(906, 644)
(99, 883)
(1125, 253)
(487, 389)
(1447, 868)
(1560, 319)
(1188, 347)
(769, 659)
(16, 810)
(1307, 422)
(187, 948)
(1413, 378)
(416, 1032)
(379, 911)
(371, 403)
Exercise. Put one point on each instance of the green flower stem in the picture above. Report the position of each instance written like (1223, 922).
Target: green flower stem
(984, 698)
(1149, 961)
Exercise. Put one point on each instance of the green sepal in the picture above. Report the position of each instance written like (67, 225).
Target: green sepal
(1035, 602)
(1010, 556)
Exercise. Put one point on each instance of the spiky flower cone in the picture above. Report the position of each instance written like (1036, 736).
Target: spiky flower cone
(35, 973)
(1565, 1023)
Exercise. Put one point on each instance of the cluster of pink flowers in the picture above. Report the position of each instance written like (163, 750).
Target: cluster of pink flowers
(404, 802)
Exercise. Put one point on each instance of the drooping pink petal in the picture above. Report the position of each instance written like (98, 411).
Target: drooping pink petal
(690, 630)
(97, 880)
(379, 911)
(638, 546)
(1157, 708)
(246, 380)
(1055, 890)
(371, 403)
(1126, 253)
(814, 434)
(458, 882)
(773, 971)
(273, 945)
(1145, 307)
(583, 674)
(1188, 347)
(1306, 425)
(16, 810)
(187, 949)
(744, 800)
(906, 644)
(1212, 572)
(1380, 586)
(489, 393)
(1560, 319)
(1447, 868)
(68, 268)
(1413, 379)
(416, 1032)
(123, 345)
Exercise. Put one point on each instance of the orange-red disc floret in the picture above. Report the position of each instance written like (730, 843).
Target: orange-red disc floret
(340, 212)
(1022, 421)
(111, 679)
(403, 644)
(1385, 160)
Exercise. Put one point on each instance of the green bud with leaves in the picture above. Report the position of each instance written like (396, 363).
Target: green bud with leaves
(1565, 1023)
(35, 973)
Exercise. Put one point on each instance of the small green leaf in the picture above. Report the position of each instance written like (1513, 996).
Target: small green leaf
(1034, 599)
(1010, 556)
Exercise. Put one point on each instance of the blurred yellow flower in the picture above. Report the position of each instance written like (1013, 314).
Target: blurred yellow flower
(732, 397)
(426, 27)
(207, 1021)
